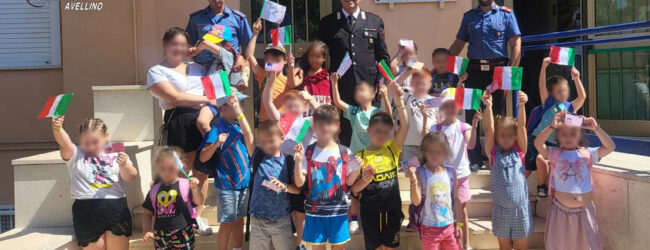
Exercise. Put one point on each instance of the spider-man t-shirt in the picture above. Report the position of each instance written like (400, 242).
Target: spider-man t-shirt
(326, 196)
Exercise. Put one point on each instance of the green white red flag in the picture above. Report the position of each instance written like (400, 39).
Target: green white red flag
(457, 65)
(294, 127)
(217, 86)
(56, 106)
(563, 55)
(385, 70)
(281, 36)
(506, 78)
(467, 98)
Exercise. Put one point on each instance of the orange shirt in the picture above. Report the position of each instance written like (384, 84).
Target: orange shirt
(279, 90)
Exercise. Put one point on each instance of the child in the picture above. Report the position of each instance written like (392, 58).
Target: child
(571, 219)
(170, 205)
(554, 92)
(441, 78)
(100, 213)
(322, 167)
(461, 137)
(316, 78)
(404, 54)
(275, 55)
(512, 221)
(226, 146)
(434, 187)
(269, 204)
(378, 188)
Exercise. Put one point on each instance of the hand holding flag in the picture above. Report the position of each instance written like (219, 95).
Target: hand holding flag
(562, 55)
(385, 70)
(273, 12)
(345, 64)
(217, 87)
(56, 106)
(293, 127)
(273, 67)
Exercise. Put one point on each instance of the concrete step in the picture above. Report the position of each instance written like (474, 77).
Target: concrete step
(481, 236)
(481, 203)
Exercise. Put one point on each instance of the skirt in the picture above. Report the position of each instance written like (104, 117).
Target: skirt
(181, 128)
(572, 228)
(182, 238)
(93, 217)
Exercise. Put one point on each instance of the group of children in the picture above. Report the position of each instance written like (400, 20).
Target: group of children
(324, 190)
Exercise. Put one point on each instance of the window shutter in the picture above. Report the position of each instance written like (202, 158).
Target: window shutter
(30, 37)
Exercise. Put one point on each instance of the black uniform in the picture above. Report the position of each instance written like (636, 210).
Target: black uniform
(365, 41)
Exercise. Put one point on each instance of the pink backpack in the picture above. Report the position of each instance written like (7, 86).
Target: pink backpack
(554, 156)
(184, 186)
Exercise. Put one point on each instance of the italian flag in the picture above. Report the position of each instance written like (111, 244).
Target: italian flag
(294, 127)
(216, 86)
(467, 98)
(562, 55)
(281, 36)
(508, 78)
(457, 65)
(56, 106)
(385, 70)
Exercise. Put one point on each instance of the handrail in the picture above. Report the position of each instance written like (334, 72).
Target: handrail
(586, 31)
(587, 42)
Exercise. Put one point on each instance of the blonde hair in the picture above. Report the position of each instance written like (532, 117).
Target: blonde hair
(435, 137)
(168, 151)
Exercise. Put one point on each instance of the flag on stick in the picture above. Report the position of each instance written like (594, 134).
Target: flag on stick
(467, 98)
(345, 65)
(56, 106)
(217, 86)
(457, 65)
(273, 12)
(294, 127)
(506, 78)
(385, 70)
(562, 55)
(179, 165)
(281, 36)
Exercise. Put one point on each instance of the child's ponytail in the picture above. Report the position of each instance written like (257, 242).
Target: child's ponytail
(91, 125)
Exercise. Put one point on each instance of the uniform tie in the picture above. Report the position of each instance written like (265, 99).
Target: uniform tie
(351, 20)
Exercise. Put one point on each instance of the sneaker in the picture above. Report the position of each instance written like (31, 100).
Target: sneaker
(474, 167)
(354, 227)
(411, 228)
(542, 191)
(204, 228)
(301, 247)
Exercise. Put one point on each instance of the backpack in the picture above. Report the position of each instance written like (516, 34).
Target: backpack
(184, 186)
(308, 156)
(516, 148)
(537, 113)
(415, 212)
(554, 155)
(257, 158)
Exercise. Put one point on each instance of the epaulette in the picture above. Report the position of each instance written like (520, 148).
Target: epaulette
(506, 9)
(196, 12)
(239, 13)
(373, 14)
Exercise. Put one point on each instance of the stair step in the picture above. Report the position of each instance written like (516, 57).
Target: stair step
(481, 203)
(482, 237)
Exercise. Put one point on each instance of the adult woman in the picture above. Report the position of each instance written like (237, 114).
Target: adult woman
(177, 86)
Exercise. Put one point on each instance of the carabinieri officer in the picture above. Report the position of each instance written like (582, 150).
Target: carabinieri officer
(217, 12)
(488, 29)
(361, 34)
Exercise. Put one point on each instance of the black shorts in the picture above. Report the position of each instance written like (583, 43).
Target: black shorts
(297, 202)
(381, 228)
(531, 154)
(94, 217)
(181, 128)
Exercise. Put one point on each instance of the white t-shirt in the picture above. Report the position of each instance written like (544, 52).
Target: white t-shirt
(571, 173)
(327, 197)
(412, 103)
(459, 159)
(190, 84)
(94, 177)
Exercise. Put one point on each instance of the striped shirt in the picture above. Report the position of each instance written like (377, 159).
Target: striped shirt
(231, 159)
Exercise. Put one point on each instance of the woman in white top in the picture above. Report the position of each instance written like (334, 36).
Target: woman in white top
(177, 86)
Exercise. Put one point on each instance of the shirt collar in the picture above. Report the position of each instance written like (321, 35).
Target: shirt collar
(355, 14)
(495, 7)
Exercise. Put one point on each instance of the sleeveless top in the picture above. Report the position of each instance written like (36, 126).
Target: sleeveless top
(508, 182)
(437, 210)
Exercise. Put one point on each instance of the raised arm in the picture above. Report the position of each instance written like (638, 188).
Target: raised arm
(384, 98)
(473, 132)
(543, 136)
(336, 96)
(267, 96)
(298, 173)
(608, 145)
(582, 95)
(400, 79)
(294, 79)
(425, 118)
(211, 145)
(250, 49)
(243, 123)
(398, 97)
(62, 138)
(488, 122)
(522, 136)
(543, 92)
(309, 99)
(394, 63)
(167, 92)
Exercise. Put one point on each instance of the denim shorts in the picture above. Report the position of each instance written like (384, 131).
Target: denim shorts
(230, 205)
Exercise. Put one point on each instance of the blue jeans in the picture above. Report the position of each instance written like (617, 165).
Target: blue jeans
(230, 205)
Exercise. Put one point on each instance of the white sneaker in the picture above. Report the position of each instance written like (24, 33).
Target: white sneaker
(354, 227)
(204, 228)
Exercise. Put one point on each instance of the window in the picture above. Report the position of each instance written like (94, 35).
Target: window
(6, 218)
(622, 83)
(29, 36)
(608, 12)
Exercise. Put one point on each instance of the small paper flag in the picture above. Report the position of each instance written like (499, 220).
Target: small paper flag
(218, 33)
(294, 127)
(56, 106)
(179, 165)
(385, 70)
(353, 163)
(273, 67)
(457, 65)
(573, 120)
(507, 78)
(415, 64)
(267, 184)
(466, 98)
(217, 86)
(345, 65)
(562, 55)
(281, 36)
(115, 147)
(273, 12)
(406, 43)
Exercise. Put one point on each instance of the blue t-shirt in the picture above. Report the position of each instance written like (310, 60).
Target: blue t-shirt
(359, 120)
(266, 203)
(440, 82)
(231, 159)
(552, 107)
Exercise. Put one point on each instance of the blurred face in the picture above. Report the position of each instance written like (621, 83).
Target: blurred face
(295, 106)
(167, 169)
(420, 85)
(440, 62)
(273, 58)
(435, 154)
(569, 137)
(316, 59)
(350, 6)
(505, 136)
(485, 2)
(408, 54)
(325, 131)
(176, 49)
(270, 142)
(560, 92)
(379, 134)
(449, 110)
(363, 93)
(227, 112)
(216, 4)
(93, 142)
